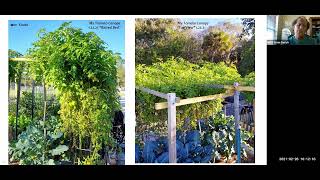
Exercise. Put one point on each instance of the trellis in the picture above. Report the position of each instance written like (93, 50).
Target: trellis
(173, 102)
(22, 59)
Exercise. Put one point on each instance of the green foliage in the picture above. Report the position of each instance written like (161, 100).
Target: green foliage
(87, 116)
(250, 81)
(217, 46)
(247, 62)
(185, 79)
(33, 148)
(15, 67)
(158, 39)
(223, 136)
(90, 160)
(246, 50)
(212, 140)
(121, 75)
(25, 105)
(233, 29)
(23, 122)
(25, 110)
(59, 150)
(78, 65)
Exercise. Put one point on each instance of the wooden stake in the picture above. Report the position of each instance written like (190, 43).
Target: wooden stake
(172, 127)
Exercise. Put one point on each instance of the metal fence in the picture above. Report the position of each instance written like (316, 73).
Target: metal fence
(22, 96)
(247, 120)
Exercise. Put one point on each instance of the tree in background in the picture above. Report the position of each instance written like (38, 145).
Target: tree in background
(235, 31)
(217, 46)
(248, 27)
(150, 34)
(15, 67)
(158, 39)
(192, 50)
(246, 62)
(120, 69)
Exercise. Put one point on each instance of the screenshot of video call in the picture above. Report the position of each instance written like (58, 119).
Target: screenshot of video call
(155, 91)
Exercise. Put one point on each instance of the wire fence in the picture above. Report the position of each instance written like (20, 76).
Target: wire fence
(27, 101)
(247, 119)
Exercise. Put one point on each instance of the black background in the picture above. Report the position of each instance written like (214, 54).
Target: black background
(292, 104)
(157, 7)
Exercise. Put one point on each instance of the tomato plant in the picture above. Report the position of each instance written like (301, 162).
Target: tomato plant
(84, 73)
(187, 80)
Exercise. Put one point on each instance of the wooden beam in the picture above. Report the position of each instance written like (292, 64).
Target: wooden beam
(180, 102)
(156, 93)
(240, 88)
(245, 88)
(228, 86)
(20, 59)
(153, 92)
(218, 86)
(164, 105)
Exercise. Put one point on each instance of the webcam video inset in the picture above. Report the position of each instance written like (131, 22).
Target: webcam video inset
(293, 29)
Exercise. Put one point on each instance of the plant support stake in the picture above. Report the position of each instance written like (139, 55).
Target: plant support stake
(17, 108)
(237, 126)
(32, 103)
(172, 127)
(44, 108)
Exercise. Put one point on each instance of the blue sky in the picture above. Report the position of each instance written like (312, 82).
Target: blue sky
(22, 37)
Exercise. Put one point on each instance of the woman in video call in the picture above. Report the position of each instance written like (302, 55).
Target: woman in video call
(300, 37)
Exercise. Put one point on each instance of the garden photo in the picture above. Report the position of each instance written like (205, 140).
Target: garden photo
(66, 92)
(195, 90)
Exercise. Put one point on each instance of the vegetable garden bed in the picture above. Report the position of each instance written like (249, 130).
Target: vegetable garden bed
(181, 77)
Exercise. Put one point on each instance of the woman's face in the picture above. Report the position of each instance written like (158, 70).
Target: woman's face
(300, 28)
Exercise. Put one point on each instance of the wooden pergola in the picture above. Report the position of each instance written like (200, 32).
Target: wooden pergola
(173, 102)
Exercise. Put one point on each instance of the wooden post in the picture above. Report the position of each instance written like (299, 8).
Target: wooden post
(8, 91)
(17, 107)
(32, 102)
(44, 108)
(237, 127)
(254, 109)
(25, 83)
(172, 127)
